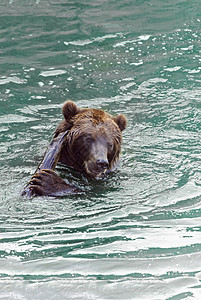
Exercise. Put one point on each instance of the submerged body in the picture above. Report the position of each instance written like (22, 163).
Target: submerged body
(92, 145)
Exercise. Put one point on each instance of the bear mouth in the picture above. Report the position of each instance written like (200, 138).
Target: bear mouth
(98, 175)
(94, 172)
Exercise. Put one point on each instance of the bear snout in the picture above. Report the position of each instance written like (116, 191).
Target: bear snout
(96, 167)
(102, 164)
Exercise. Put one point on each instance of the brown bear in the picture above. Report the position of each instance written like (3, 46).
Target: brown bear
(91, 146)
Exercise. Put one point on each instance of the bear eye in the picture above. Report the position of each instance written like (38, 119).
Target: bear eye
(89, 139)
(110, 146)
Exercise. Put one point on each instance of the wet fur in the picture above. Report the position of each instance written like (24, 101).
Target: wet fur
(85, 126)
(92, 146)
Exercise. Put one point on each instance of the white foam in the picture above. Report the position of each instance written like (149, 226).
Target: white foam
(52, 73)
(13, 79)
(90, 41)
(138, 39)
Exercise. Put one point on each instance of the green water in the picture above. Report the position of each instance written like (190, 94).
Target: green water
(137, 233)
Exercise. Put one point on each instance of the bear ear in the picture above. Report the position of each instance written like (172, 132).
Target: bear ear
(121, 121)
(69, 110)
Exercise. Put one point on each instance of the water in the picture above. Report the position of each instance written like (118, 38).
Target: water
(137, 233)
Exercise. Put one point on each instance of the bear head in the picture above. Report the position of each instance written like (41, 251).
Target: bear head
(94, 138)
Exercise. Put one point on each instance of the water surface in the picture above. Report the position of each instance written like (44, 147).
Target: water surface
(135, 234)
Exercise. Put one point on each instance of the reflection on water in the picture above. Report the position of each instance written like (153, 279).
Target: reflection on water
(135, 234)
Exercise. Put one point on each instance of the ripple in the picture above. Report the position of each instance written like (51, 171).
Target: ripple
(137, 231)
(90, 41)
(177, 68)
(13, 79)
(52, 73)
(139, 39)
(16, 119)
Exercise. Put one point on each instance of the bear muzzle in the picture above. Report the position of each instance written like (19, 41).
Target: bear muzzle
(97, 163)
(96, 168)
(102, 164)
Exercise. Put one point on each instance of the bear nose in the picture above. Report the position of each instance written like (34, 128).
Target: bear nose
(102, 164)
